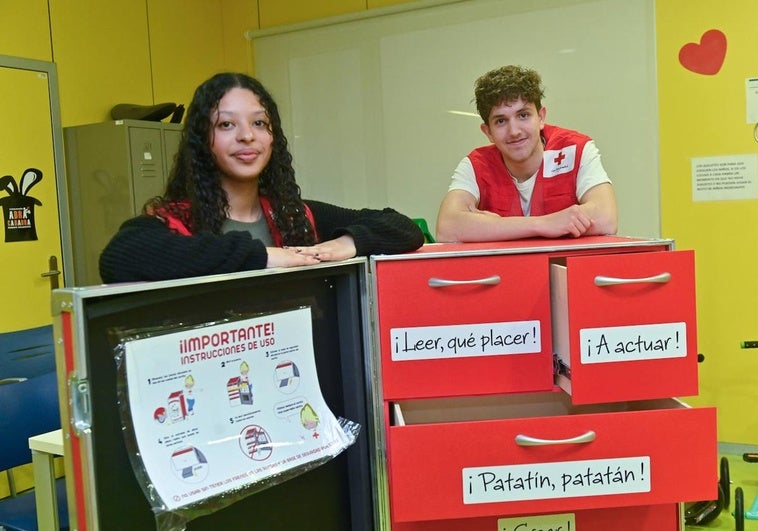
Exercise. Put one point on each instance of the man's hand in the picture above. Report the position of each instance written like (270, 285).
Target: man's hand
(572, 220)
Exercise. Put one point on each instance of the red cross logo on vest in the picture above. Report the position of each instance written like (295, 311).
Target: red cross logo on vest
(559, 158)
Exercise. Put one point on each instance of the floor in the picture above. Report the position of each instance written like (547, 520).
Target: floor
(743, 475)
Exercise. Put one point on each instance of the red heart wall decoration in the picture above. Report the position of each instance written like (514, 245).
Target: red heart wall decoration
(707, 56)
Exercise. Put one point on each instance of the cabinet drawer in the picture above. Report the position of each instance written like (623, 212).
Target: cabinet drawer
(535, 453)
(462, 326)
(624, 325)
(646, 518)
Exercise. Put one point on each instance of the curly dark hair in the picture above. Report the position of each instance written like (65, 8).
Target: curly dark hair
(195, 180)
(506, 84)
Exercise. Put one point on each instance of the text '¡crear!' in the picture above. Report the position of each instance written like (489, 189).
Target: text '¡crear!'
(542, 522)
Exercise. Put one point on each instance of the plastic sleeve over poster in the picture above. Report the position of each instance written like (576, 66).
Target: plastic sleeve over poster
(215, 412)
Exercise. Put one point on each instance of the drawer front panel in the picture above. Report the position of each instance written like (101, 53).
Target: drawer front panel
(437, 334)
(646, 518)
(665, 455)
(635, 340)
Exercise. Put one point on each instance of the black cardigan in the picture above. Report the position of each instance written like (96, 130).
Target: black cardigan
(144, 248)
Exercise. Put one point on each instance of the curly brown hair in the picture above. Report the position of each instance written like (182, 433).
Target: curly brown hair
(506, 84)
(196, 180)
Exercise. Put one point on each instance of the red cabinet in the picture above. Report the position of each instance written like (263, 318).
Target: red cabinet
(473, 341)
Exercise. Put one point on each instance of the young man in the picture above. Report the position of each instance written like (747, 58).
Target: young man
(533, 180)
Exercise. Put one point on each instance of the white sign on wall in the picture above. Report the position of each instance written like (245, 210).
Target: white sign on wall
(751, 99)
(725, 178)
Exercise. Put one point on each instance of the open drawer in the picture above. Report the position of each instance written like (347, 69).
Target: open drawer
(624, 326)
(458, 326)
(665, 517)
(534, 453)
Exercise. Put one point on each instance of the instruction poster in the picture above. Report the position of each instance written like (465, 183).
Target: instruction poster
(219, 407)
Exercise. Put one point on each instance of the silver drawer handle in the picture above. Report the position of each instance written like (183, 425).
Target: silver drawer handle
(525, 440)
(612, 281)
(494, 280)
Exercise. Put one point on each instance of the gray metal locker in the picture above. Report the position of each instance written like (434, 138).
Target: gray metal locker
(112, 168)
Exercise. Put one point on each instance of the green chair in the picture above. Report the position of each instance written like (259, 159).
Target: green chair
(421, 222)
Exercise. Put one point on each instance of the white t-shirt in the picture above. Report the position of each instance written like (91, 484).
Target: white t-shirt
(591, 173)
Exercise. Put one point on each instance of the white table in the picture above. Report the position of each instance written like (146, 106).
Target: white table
(44, 448)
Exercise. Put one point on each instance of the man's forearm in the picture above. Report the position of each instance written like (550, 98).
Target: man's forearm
(484, 227)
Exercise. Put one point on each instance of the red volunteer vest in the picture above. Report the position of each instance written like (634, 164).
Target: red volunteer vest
(555, 185)
(178, 215)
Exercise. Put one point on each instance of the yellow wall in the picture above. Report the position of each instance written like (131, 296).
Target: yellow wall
(131, 51)
(373, 4)
(146, 51)
(277, 13)
(24, 29)
(238, 17)
(704, 116)
(102, 55)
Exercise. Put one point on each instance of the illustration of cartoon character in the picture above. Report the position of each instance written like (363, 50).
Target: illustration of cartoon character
(244, 371)
(308, 417)
(245, 387)
(189, 383)
(177, 406)
(160, 415)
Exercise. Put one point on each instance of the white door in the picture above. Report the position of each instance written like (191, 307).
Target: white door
(32, 204)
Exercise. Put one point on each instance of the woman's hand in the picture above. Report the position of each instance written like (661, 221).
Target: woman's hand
(340, 248)
(289, 257)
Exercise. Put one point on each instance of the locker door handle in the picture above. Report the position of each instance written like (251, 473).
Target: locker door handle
(525, 440)
(662, 278)
(494, 280)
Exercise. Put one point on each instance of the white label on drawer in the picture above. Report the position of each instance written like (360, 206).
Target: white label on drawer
(633, 343)
(541, 481)
(460, 341)
(548, 522)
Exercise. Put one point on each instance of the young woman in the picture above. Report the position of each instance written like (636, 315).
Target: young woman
(232, 203)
